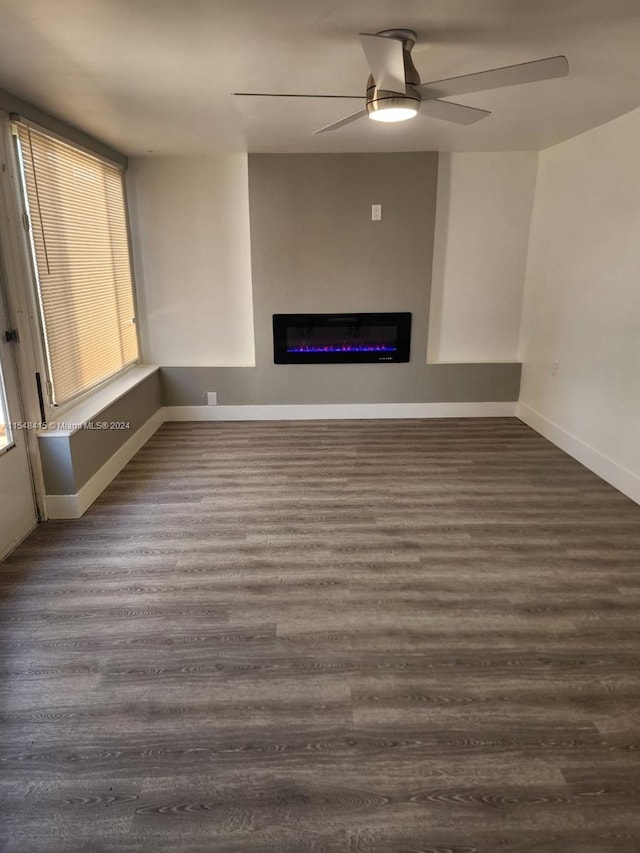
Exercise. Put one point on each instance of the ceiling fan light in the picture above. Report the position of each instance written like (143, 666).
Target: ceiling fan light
(391, 114)
(391, 106)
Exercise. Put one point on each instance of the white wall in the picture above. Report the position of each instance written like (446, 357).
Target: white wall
(582, 301)
(482, 230)
(190, 220)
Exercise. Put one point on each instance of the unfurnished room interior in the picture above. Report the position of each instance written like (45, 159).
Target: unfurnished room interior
(319, 426)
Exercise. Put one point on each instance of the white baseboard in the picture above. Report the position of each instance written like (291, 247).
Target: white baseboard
(74, 506)
(616, 475)
(339, 411)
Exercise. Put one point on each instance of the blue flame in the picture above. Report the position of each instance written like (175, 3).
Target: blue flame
(302, 348)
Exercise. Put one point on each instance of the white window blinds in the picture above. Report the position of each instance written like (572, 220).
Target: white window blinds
(80, 241)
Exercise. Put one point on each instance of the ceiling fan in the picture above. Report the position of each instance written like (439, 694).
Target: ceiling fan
(395, 93)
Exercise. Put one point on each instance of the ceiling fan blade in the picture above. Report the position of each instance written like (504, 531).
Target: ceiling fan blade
(386, 61)
(336, 124)
(510, 75)
(287, 95)
(448, 111)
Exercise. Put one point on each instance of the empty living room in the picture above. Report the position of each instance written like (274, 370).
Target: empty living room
(319, 426)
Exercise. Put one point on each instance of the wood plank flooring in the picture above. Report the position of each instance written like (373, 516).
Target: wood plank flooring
(317, 637)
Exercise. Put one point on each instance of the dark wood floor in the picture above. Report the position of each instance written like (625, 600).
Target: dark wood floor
(392, 636)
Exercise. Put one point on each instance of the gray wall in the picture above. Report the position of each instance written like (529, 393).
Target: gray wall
(348, 383)
(315, 249)
(69, 461)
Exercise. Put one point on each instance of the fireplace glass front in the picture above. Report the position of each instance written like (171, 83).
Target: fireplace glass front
(341, 338)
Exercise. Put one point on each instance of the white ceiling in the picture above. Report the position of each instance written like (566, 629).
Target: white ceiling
(157, 75)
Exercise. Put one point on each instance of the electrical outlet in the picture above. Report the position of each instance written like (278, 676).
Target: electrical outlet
(212, 398)
(376, 212)
(555, 367)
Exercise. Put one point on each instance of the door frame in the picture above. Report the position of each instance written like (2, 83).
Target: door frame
(17, 494)
(21, 308)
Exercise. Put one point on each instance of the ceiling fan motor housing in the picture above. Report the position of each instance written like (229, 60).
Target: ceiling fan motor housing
(383, 99)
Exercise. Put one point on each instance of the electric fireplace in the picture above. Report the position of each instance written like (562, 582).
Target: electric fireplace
(341, 338)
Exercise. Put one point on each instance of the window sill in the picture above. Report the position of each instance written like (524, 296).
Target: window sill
(75, 418)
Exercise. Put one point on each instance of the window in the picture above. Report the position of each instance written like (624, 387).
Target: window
(80, 245)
